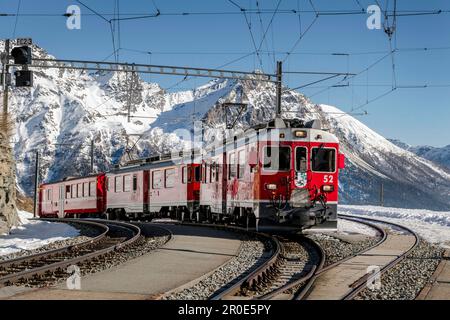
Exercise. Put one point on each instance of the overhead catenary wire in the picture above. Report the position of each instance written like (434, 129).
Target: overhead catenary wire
(19, 2)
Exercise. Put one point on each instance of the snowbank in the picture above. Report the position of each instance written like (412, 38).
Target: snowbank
(34, 234)
(433, 226)
(350, 227)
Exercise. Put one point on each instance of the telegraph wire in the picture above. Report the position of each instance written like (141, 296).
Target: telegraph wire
(17, 19)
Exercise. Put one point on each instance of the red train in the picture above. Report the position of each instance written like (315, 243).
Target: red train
(283, 173)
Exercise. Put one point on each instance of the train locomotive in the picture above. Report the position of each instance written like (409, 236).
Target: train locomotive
(283, 173)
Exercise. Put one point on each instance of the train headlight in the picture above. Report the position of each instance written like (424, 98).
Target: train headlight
(300, 133)
(328, 188)
(271, 186)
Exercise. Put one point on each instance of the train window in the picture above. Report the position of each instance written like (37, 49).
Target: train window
(231, 166)
(205, 173)
(110, 184)
(92, 189)
(217, 171)
(73, 191)
(197, 173)
(157, 179)
(301, 159)
(67, 192)
(118, 181)
(86, 189)
(277, 158)
(49, 194)
(127, 183)
(134, 182)
(170, 178)
(323, 160)
(241, 164)
(213, 172)
(79, 190)
(184, 174)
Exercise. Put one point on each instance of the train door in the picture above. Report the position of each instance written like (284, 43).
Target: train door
(62, 191)
(224, 182)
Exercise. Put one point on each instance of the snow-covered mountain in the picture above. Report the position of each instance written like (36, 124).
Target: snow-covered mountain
(66, 109)
(438, 155)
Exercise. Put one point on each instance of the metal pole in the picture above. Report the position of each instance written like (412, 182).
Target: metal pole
(279, 83)
(92, 156)
(5, 84)
(382, 194)
(36, 185)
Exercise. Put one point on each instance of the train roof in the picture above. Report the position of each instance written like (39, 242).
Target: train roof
(73, 179)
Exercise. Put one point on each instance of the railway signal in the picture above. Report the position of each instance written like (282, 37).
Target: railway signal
(21, 55)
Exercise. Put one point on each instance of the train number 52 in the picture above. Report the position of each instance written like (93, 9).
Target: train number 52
(327, 179)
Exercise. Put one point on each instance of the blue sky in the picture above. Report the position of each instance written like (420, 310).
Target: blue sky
(412, 114)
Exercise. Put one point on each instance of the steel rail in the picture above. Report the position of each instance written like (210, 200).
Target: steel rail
(303, 292)
(10, 262)
(10, 278)
(308, 277)
(359, 285)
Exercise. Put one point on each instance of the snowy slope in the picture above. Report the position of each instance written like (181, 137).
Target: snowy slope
(34, 234)
(66, 109)
(440, 156)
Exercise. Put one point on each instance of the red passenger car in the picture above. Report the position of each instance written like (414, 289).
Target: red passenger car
(156, 187)
(72, 197)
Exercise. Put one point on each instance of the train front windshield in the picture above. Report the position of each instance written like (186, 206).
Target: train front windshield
(323, 160)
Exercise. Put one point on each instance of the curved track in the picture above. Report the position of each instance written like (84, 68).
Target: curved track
(113, 236)
(344, 279)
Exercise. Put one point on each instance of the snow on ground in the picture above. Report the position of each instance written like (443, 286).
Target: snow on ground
(350, 227)
(433, 226)
(34, 234)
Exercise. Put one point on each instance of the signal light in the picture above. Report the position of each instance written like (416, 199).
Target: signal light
(24, 78)
(271, 186)
(21, 55)
(300, 133)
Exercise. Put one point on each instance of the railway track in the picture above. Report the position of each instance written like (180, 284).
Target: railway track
(50, 264)
(346, 278)
(287, 274)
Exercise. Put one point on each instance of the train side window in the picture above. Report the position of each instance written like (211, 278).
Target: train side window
(134, 182)
(110, 184)
(231, 166)
(92, 189)
(197, 173)
(118, 187)
(79, 190)
(277, 158)
(301, 162)
(67, 192)
(184, 174)
(212, 175)
(241, 164)
(323, 160)
(127, 183)
(73, 191)
(217, 171)
(49, 194)
(157, 179)
(205, 173)
(86, 189)
(169, 178)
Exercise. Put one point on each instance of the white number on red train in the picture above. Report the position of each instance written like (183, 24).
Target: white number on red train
(328, 179)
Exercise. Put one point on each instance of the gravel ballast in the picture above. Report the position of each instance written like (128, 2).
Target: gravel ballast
(250, 252)
(405, 280)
